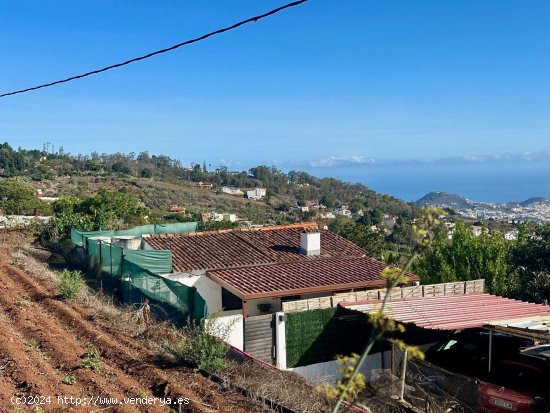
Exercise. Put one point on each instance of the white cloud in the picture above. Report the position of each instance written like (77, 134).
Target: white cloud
(342, 160)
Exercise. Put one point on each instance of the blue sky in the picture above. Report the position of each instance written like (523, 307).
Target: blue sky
(349, 80)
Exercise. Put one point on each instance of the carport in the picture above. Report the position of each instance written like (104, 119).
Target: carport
(467, 311)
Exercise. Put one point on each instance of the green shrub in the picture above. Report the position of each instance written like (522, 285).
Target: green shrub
(70, 284)
(202, 344)
(91, 359)
(68, 379)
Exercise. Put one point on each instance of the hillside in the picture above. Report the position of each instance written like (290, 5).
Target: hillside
(112, 357)
(160, 181)
(537, 200)
(443, 199)
(45, 343)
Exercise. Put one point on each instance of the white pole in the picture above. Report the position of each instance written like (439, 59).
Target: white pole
(280, 340)
(403, 373)
(490, 350)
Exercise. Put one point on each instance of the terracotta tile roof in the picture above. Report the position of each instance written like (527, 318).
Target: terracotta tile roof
(301, 277)
(238, 248)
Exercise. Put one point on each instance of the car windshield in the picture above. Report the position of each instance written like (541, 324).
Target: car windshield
(517, 376)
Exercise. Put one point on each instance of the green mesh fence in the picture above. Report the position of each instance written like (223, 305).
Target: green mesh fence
(80, 237)
(93, 250)
(134, 274)
(168, 299)
(159, 262)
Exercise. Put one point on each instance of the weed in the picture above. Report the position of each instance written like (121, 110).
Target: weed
(91, 359)
(70, 284)
(16, 262)
(45, 356)
(68, 379)
(37, 409)
(202, 344)
(20, 304)
(31, 343)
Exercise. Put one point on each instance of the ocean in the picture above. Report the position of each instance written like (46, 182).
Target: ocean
(487, 181)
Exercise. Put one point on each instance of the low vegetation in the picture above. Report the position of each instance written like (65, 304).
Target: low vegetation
(260, 382)
(201, 343)
(68, 379)
(71, 284)
(91, 359)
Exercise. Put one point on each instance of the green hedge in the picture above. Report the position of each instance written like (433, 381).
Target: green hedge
(317, 336)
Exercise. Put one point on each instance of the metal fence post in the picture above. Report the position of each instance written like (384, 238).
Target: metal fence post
(403, 373)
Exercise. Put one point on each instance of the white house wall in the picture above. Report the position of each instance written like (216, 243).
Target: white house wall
(208, 289)
(319, 373)
(229, 326)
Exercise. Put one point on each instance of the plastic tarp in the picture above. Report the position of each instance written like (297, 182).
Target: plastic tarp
(169, 299)
(133, 274)
(158, 262)
(80, 237)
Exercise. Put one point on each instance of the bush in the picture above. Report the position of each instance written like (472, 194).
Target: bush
(70, 284)
(201, 344)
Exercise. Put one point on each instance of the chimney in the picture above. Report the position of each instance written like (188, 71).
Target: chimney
(310, 242)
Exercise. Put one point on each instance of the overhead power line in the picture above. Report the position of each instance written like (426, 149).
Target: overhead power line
(157, 52)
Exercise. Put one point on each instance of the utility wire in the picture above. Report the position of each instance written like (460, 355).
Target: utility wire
(168, 49)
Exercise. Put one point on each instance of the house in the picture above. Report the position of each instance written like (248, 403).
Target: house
(231, 190)
(256, 193)
(204, 185)
(477, 230)
(176, 208)
(390, 222)
(326, 215)
(511, 235)
(256, 270)
(343, 212)
(211, 217)
(215, 217)
(298, 208)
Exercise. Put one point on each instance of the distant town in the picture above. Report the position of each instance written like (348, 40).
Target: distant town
(531, 210)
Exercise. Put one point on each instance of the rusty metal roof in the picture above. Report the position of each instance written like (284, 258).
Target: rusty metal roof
(537, 328)
(453, 312)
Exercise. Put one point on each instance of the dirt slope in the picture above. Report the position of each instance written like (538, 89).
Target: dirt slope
(44, 340)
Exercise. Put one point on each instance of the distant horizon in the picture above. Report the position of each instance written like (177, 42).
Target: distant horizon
(499, 178)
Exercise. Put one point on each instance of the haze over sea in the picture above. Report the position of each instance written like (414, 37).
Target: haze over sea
(487, 181)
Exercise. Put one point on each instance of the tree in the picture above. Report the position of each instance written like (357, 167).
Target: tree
(11, 162)
(372, 241)
(106, 210)
(121, 167)
(17, 198)
(530, 259)
(467, 257)
(402, 234)
(146, 173)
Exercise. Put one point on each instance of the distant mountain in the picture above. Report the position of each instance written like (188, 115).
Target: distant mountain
(444, 199)
(536, 200)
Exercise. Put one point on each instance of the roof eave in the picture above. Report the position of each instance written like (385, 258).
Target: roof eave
(297, 291)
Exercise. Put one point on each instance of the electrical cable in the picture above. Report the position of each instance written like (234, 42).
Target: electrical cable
(157, 52)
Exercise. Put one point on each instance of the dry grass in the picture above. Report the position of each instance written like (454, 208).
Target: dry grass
(261, 382)
(284, 387)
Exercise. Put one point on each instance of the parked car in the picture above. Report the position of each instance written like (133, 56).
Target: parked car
(520, 385)
(467, 352)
